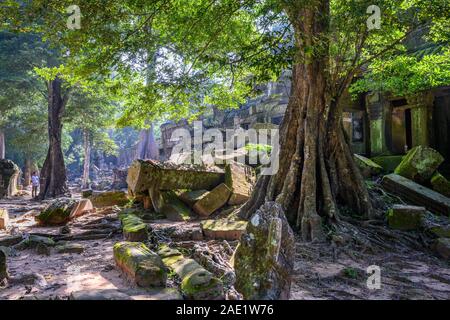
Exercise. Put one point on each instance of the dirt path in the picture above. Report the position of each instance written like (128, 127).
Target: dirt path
(326, 273)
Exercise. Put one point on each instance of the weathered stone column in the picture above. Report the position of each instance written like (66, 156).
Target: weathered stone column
(421, 117)
(376, 110)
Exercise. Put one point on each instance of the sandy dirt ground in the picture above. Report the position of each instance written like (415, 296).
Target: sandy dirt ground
(321, 271)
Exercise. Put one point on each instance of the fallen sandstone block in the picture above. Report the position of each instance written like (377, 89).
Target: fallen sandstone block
(388, 163)
(238, 177)
(83, 206)
(212, 201)
(133, 228)
(419, 164)
(404, 217)
(69, 248)
(440, 184)
(141, 264)
(4, 219)
(57, 212)
(416, 193)
(196, 282)
(367, 167)
(168, 203)
(223, 229)
(108, 198)
(191, 197)
(146, 174)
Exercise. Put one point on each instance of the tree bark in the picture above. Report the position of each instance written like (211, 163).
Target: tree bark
(53, 173)
(87, 159)
(147, 147)
(27, 172)
(316, 171)
(2, 144)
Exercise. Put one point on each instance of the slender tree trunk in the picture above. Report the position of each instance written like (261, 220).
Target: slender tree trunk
(316, 171)
(2, 144)
(53, 173)
(87, 159)
(27, 172)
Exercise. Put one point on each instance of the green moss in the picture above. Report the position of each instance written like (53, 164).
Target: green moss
(134, 229)
(419, 164)
(223, 225)
(441, 231)
(440, 184)
(388, 163)
(201, 285)
(403, 220)
(109, 198)
(57, 212)
(139, 261)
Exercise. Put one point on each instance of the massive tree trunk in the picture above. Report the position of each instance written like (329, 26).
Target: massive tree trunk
(2, 144)
(87, 159)
(147, 147)
(316, 171)
(53, 173)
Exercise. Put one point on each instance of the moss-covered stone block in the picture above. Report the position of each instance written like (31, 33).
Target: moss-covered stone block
(133, 228)
(191, 197)
(223, 229)
(419, 164)
(368, 167)
(171, 206)
(69, 248)
(57, 212)
(147, 174)
(213, 200)
(404, 217)
(239, 178)
(109, 198)
(142, 265)
(196, 282)
(388, 163)
(440, 184)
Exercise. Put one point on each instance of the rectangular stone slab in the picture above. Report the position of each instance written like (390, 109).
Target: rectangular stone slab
(197, 283)
(4, 219)
(133, 228)
(141, 264)
(417, 194)
(212, 201)
(147, 174)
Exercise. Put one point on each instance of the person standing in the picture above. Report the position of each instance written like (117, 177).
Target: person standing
(34, 184)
